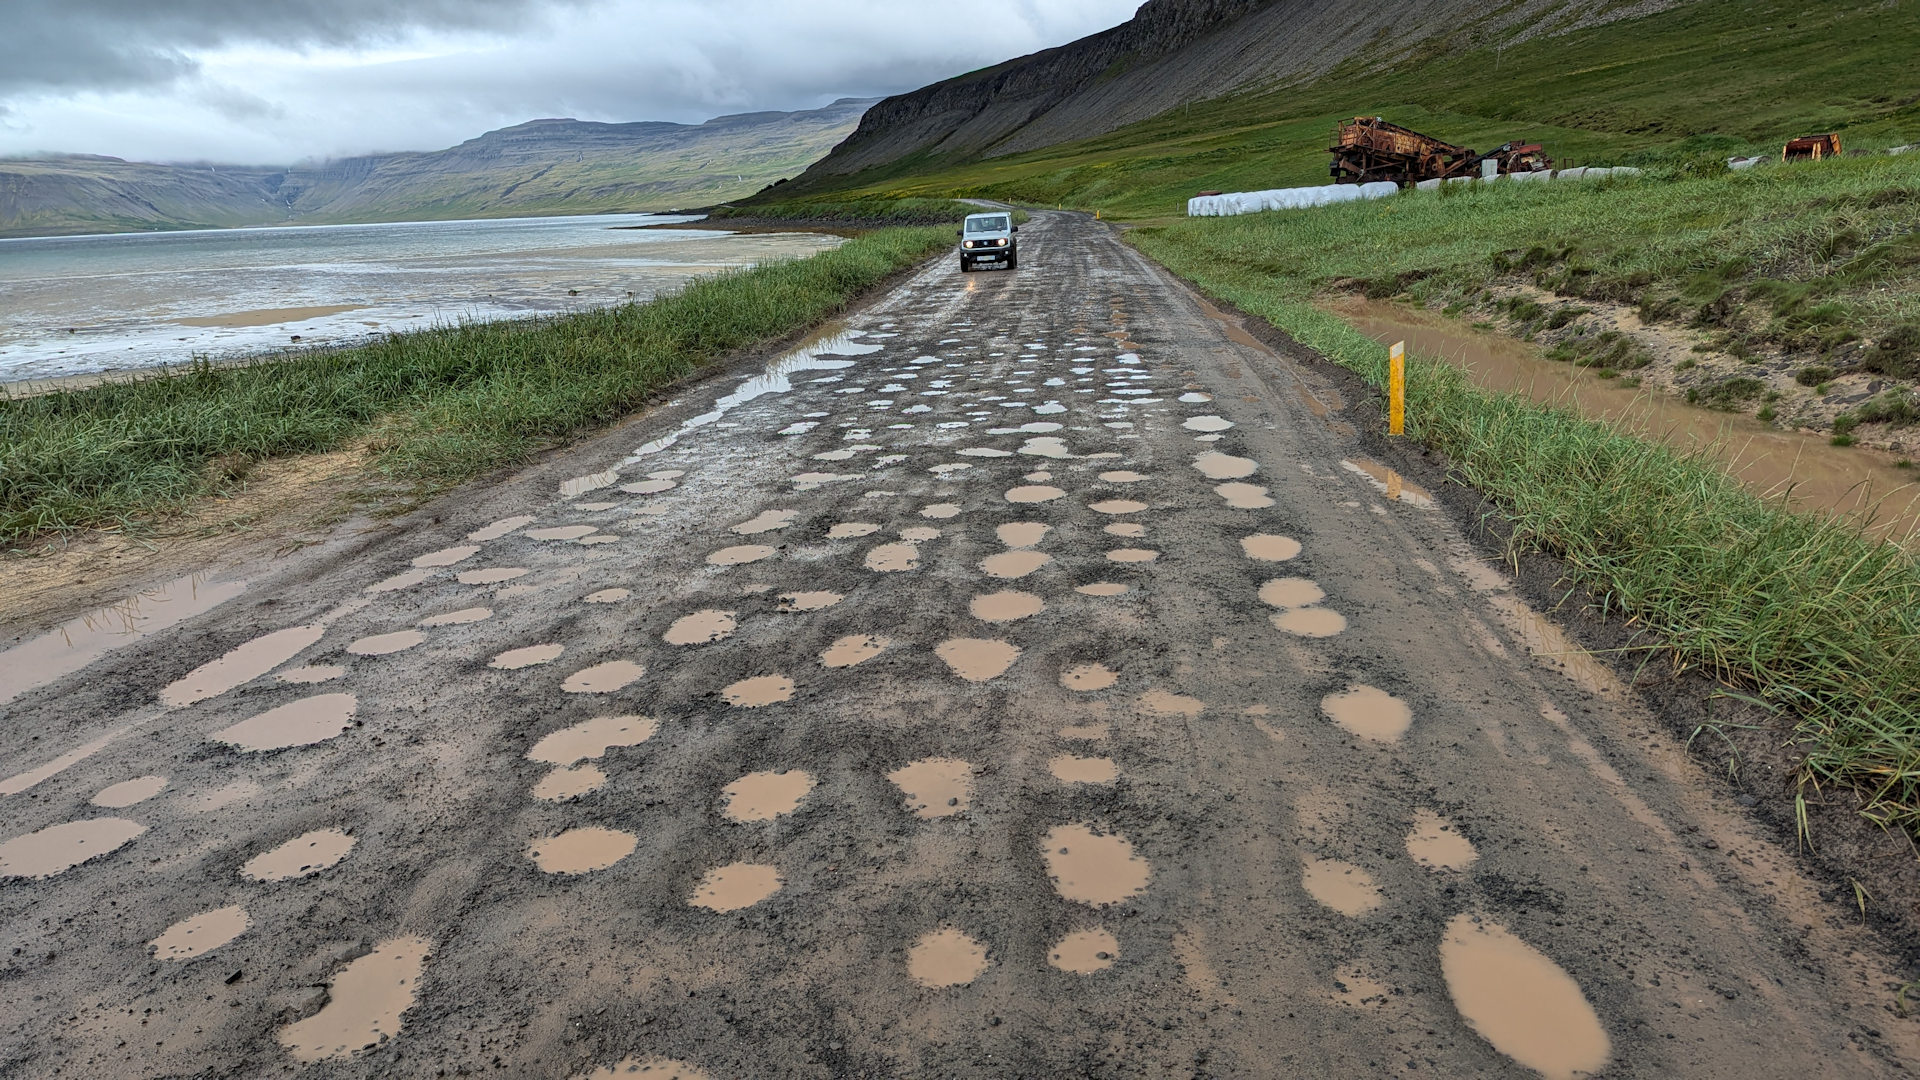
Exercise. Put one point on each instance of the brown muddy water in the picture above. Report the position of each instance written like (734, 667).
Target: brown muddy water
(1769, 461)
(73, 645)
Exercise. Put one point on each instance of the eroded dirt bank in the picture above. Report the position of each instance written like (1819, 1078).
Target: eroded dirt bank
(1035, 679)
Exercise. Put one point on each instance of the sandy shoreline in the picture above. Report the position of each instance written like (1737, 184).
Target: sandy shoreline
(268, 316)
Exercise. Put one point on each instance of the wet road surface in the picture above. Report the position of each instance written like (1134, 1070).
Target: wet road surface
(1030, 677)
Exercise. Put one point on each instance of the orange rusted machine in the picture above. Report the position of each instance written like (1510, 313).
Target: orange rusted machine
(1812, 148)
(1367, 149)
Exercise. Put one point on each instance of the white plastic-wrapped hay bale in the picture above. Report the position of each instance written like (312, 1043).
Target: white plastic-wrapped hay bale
(1254, 202)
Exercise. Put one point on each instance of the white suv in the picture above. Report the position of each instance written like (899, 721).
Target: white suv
(988, 238)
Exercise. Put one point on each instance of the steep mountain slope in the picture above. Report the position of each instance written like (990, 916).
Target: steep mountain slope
(1175, 52)
(540, 167)
(1681, 87)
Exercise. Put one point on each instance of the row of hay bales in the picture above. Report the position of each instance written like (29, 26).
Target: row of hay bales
(1254, 202)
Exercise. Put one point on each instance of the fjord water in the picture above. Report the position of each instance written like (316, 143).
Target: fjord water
(80, 304)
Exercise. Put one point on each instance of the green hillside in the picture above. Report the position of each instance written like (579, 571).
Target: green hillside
(1710, 79)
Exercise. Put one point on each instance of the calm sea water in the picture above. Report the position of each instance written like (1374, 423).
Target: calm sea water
(81, 304)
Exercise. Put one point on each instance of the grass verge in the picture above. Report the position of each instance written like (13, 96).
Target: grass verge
(1804, 614)
(438, 406)
(864, 211)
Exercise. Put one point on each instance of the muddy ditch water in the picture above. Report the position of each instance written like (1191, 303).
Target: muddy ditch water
(1815, 475)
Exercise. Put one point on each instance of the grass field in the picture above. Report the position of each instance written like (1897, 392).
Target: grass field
(1807, 615)
(438, 406)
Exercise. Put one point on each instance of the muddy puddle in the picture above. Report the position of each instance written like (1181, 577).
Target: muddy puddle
(128, 792)
(853, 649)
(1218, 466)
(1088, 677)
(200, 934)
(1074, 769)
(1340, 886)
(243, 664)
(1014, 564)
(582, 851)
(1311, 622)
(365, 1003)
(297, 723)
(57, 848)
(1102, 588)
(1521, 1001)
(503, 527)
(935, 787)
(1085, 952)
(1267, 547)
(946, 957)
(1022, 534)
(1117, 506)
(608, 596)
(740, 554)
(758, 691)
(1092, 867)
(304, 855)
(1034, 493)
(569, 783)
(977, 659)
(1006, 606)
(763, 796)
(1370, 713)
(604, 678)
(1291, 592)
(894, 558)
(815, 354)
(1244, 496)
(768, 521)
(1388, 482)
(74, 644)
(1438, 844)
(447, 556)
(1122, 476)
(384, 644)
(1765, 459)
(527, 656)
(592, 739)
(736, 886)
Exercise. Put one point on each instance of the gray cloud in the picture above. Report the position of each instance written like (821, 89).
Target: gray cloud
(55, 45)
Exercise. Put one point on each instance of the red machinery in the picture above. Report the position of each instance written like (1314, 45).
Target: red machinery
(1368, 149)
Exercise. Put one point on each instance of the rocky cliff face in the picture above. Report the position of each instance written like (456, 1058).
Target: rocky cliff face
(543, 166)
(1178, 51)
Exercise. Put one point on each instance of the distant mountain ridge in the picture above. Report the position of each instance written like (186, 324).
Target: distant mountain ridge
(1176, 52)
(539, 167)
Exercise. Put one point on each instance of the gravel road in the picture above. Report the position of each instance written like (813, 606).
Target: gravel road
(1029, 677)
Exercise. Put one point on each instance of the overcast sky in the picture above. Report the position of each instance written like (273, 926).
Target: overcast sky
(279, 81)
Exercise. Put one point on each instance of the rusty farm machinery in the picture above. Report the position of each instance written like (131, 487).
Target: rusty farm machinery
(1368, 150)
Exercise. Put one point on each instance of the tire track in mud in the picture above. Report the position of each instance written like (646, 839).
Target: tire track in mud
(1024, 677)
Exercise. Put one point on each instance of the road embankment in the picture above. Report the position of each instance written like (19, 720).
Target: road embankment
(432, 408)
(1808, 617)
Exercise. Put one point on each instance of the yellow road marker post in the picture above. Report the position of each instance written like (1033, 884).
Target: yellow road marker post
(1397, 389)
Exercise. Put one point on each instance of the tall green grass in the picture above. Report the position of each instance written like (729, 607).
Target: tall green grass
(1808, 257)
(1806, 614)
(439, 405)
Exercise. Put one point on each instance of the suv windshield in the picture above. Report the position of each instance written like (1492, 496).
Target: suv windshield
(987, 224)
